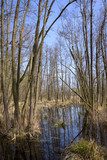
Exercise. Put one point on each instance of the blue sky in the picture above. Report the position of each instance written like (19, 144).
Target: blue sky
(73, 9)
(52, 35)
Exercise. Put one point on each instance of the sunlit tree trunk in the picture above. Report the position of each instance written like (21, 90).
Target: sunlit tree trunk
(103, 95)
(57, 89)
(35, 53)
(2, 68)
(91, 51)
(19, 57)
(62, 76)
(85, 35)
(98, 75)
(7, 66)
(40, 61)
(14, 80)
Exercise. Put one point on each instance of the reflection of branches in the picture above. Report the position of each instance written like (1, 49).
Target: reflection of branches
(72, 141)
(79, 133)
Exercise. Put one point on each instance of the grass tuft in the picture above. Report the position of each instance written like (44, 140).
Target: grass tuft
(85, 150)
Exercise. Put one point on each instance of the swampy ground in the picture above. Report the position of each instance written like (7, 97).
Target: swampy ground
(58, 127)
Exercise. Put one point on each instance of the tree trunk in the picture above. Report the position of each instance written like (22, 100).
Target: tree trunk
(35, 53)
(98, 75)
(14, 81)
(19, 56)
(2, 68)
(102, 89)
(91, 50)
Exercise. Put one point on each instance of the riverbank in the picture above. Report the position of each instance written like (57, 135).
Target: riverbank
(24, 132)
(14, 131)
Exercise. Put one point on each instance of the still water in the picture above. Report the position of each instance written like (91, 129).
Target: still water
(58, 128)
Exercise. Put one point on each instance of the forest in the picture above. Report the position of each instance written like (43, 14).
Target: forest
(53, 55)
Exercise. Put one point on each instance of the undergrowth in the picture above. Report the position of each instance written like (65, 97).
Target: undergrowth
(85, 150)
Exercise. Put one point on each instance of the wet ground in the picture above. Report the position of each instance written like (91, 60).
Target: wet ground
(58, 126)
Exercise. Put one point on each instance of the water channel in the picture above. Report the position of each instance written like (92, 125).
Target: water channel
(58, 127)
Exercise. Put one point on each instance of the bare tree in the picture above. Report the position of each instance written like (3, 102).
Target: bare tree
(2, 68)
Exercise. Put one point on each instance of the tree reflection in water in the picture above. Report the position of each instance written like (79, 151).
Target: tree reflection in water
(54, 138)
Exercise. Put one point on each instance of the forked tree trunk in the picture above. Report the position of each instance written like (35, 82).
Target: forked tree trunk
(40, 62)
(19, 58)
(14, 78)
(35, 53)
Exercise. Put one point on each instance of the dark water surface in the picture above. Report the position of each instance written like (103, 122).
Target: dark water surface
(58, 128)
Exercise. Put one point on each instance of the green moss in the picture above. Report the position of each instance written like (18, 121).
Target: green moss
(60, 124)
(21, 133)
(81, 113)
(85, 150)
(45, 116)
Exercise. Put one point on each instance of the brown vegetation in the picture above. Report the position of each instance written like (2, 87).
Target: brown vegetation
(72, 70)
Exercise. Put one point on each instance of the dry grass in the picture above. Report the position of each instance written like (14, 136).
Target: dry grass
(86, 150)
(103, 116)
(53, 103)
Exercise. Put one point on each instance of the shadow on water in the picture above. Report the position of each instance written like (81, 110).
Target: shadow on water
(59, 126)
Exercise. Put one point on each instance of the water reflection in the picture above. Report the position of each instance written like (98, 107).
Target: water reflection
(59, 137)
(53, 138)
